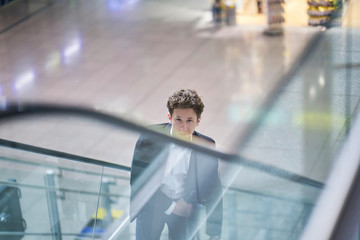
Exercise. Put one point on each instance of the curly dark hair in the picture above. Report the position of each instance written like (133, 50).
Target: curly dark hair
(185, 99)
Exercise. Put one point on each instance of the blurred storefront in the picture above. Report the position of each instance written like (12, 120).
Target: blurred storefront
(296, 13)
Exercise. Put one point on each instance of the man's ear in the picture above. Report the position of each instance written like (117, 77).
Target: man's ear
(198, 121)
(169, 116)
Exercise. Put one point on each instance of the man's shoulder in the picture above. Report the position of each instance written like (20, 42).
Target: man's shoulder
(160, 127)
(204, 138)
(163, 128)
(147, 141)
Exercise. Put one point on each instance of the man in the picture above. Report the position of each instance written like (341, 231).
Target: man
(169, 182)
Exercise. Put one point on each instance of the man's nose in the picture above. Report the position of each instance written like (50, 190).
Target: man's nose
(184, 127)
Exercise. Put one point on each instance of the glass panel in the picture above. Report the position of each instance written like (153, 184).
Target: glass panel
(262, 206)
(307, 123)
(302, 132)
(83, 191)
(75, 190)
(115, 199)
(255, 204)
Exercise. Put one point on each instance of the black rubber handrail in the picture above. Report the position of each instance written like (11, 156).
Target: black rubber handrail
(54, 153)
(25, 17)
(13, 110)
(48, 165)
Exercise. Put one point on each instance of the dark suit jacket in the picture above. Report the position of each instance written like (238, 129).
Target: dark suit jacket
(202, 184)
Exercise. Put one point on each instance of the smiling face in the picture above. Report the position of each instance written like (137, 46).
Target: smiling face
(184, 122)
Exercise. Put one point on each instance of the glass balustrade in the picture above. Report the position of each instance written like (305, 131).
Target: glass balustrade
(81, 197)
(74, 196)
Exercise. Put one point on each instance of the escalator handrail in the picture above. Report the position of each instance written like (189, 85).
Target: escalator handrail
(60, 154)
(13, 110)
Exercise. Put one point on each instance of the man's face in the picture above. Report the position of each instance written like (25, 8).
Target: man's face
(184, 122)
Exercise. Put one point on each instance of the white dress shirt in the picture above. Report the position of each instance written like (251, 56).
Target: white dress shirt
(176, 170)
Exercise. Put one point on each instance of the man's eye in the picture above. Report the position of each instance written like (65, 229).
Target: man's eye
(178, 119)
(190, 120)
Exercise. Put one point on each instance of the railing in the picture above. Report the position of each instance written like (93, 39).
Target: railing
(16, 110)
(105, 199)
(18, 11)
(4, 2)
(50, 192)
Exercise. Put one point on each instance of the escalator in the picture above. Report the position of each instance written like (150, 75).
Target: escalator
(70, 196)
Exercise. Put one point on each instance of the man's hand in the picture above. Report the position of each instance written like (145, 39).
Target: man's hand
(182, 208)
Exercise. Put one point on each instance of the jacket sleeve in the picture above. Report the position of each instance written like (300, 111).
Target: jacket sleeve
(147, 160)
(145, 152)
(137, 167)
(138, 164)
